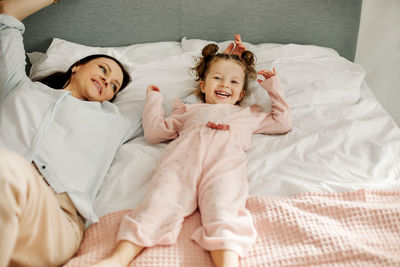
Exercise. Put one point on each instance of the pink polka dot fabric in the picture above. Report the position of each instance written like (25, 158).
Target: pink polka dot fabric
(359, 228)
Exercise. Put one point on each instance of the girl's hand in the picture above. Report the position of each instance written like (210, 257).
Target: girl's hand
(236, 47)
(267, 74)
(153, 88)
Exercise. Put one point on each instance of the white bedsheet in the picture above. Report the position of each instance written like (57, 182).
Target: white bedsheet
(341, 140)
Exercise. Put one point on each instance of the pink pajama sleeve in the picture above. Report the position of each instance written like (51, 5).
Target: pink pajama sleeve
(278, 120)
(156, 128)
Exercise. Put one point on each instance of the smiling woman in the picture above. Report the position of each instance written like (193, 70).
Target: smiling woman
(93, 78)
(55, 145)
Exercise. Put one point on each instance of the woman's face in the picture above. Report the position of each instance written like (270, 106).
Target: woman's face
(97, 80)
(223, 83)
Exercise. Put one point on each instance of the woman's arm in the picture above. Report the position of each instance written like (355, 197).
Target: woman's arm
(12, 52)
(156, 128)
(279, 120)
(20, 9)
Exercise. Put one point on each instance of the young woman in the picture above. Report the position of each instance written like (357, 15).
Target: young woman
(205, 166)
(58, 137)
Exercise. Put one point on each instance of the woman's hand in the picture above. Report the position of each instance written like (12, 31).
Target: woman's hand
(267, 74)
(236, 47)
(152, 87)
(20, 9)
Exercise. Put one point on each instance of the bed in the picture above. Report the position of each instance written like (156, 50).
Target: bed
(325, 194)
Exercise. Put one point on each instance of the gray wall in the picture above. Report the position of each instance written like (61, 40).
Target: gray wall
(332, 23)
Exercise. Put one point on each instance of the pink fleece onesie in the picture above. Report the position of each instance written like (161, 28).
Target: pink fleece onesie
(205, 167)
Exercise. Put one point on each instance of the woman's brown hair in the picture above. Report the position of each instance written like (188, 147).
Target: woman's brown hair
(210, 54)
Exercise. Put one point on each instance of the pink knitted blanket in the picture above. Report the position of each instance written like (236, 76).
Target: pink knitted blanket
(360, 228)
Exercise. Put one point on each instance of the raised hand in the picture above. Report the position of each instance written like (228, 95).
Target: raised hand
(236, 47)
(267, 74)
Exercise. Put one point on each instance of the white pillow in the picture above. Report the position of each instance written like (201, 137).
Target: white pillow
(172, 75)
(61, 54)
(311, 76)
(320, 82)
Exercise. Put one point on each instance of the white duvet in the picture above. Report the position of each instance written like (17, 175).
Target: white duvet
(341, 140)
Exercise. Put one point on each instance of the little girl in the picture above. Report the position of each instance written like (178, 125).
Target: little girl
(205, 166)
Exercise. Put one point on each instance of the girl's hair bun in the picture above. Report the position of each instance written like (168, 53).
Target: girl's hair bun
(248, 57)
(210, 50)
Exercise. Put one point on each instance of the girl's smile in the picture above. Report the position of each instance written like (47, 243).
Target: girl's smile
(222, 94)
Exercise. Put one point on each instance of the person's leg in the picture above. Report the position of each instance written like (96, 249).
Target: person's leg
(122, 255)
(225, 258)
(158, 218)
(227, 226)
(37, 226)
(9, 211)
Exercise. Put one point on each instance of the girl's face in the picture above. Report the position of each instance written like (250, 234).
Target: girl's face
(97, 80)
(223, 83)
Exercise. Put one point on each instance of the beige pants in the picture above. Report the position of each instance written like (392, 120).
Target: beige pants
(37, 226)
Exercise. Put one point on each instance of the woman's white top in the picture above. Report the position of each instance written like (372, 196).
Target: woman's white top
(72, 142)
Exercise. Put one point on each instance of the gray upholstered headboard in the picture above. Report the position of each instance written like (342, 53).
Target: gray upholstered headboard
(331, 23)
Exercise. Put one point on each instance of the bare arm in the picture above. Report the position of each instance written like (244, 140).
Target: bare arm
(20, 9)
